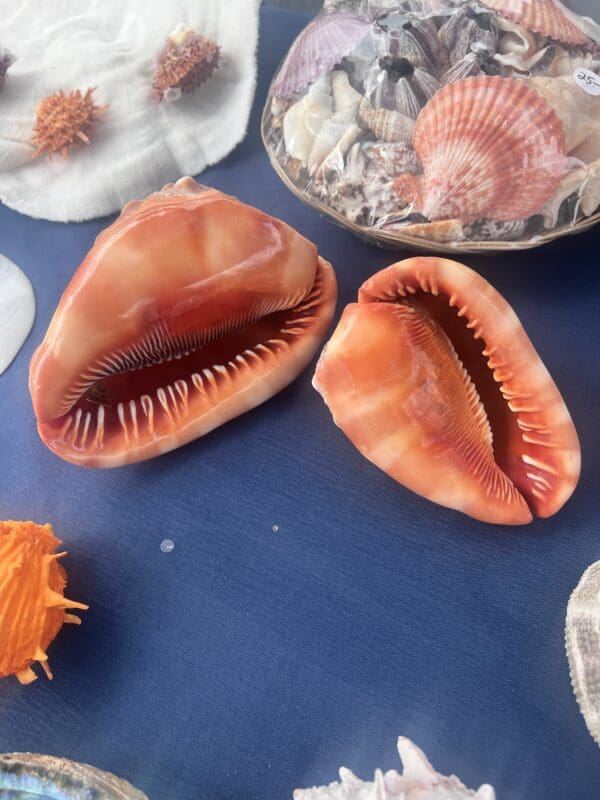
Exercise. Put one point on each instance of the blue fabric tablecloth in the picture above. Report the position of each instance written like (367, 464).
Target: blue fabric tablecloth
(251, 660)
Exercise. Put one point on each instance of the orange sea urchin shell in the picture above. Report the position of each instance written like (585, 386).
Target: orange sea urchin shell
(189, 310)
(186, 61)
(32, 603)
(490, 147)
(547, 17)
(434, 380)
(64, 120)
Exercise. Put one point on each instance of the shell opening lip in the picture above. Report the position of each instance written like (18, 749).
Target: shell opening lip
(145, 393)
(522, 436)
(470, 348)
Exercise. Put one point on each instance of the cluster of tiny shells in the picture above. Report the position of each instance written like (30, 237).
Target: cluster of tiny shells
(65, 120)
(458, 122)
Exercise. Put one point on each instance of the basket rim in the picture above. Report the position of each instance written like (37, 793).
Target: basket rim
(418, 243)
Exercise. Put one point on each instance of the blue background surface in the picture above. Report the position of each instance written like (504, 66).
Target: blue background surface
(248, 662)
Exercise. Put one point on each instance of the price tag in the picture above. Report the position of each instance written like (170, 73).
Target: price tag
(587, 80)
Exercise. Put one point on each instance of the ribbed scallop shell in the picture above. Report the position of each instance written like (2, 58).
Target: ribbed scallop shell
(547, 17)
(320, 46)
(582, 640)
(25, 775)
(490, 147)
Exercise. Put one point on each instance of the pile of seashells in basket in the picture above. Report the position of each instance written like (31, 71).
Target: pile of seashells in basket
(452, 123)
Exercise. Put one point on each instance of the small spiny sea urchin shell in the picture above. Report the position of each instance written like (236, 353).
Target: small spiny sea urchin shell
(490, 147)
(186, 61)
(582, 640)
(64, 120)
(25, 775)
(6, 59)
(32, 580)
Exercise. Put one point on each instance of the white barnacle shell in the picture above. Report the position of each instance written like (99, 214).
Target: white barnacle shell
(140, 144)
(582, 640)
(17, 310)
(418, 781)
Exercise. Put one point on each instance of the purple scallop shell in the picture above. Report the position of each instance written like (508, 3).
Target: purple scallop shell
(318, 48)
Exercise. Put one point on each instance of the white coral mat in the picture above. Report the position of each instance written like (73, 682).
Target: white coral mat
(140, 144)
(17, 310)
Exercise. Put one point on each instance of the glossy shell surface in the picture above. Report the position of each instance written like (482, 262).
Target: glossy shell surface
(33, 607)
(434, 380)
(189, 310)
(25, 775)
(582, 640)
(418, 781)
(490, 148)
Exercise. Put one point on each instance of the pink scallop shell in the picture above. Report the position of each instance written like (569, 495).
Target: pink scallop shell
(318, 48)
(548, 17)
(490, 147)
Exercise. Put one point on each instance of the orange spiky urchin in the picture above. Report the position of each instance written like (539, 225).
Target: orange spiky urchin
(64, 120)
(32, 602)
(186, 61)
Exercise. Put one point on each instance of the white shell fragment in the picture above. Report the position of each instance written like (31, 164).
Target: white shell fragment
(17, 310)
(419, 781)
(139, 144)
(582, 639)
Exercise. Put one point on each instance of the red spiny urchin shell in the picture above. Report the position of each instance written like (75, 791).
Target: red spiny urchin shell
(186, 61)
(33, 607)
(64, 120)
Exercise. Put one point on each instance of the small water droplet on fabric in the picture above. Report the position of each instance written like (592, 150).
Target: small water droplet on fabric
(275, 528)
(167, 545)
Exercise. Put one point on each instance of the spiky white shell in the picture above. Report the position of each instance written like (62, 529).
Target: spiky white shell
(582, 639)
(419, 781)
(17, 310)
(139, 145)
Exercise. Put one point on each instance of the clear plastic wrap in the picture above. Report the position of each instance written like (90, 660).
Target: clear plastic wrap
(448, 125)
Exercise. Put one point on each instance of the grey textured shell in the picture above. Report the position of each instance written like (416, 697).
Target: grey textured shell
(582, 640)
